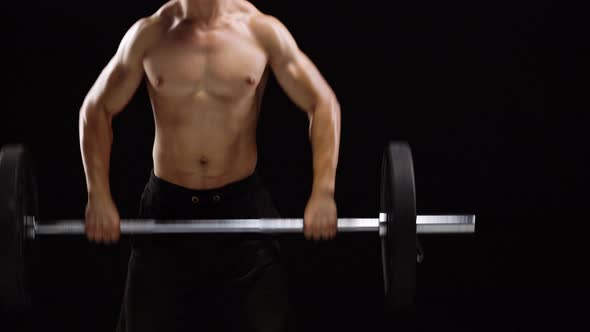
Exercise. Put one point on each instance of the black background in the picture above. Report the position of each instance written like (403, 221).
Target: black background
(491, 95)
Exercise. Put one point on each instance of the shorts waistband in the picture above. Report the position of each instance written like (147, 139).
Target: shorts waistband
(238, 188)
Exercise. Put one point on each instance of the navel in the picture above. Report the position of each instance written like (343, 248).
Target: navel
(204, 161)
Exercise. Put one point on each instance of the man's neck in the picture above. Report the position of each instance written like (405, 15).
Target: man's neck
(203, 12)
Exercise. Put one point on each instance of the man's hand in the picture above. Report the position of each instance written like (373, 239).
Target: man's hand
(320, 217)
(102, 220)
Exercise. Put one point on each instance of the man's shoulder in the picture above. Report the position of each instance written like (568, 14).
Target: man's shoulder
(160, 21)
(264, 23)
(167, 13)
(266, 28)
(271, 33)
(148, 30)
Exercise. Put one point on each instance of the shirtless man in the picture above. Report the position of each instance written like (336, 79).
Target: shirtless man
(206, 63)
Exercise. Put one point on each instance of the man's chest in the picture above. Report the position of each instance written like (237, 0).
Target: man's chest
(222, 64)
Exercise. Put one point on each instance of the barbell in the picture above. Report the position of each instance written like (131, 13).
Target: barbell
(397, 225)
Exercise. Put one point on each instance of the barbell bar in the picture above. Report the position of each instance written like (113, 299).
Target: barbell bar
(425, 224)
(397, 225)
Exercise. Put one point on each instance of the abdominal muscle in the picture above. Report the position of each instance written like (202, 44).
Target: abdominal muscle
(204, 145)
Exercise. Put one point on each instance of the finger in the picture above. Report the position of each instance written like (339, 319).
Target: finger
(87, 229)
(116, 230)
(109, 236)
(326, 228)
(104, 231)
(316, 229)
(307, 228)
(99, 234)
(334, 228)
(90, 229)
(311, 225)
(314, 235)
(320, 228)
(116, 233)
(331, 228)
(326, 231)
(109, 233)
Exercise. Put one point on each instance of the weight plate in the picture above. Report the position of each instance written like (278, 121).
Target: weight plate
(18, 198)
(398, 245)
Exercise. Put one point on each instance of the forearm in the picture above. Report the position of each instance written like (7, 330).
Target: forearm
(96, 136)
(325, 142)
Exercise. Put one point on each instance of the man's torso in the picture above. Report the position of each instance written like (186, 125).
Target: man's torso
(205, 85)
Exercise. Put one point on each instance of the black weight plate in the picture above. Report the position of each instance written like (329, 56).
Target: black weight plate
(18, 197)
(398, 246)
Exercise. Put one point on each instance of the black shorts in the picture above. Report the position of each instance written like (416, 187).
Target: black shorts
(205, 282)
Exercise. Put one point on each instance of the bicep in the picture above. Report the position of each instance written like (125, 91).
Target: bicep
(301, 80)
(295, 72)
(121, 77)
(115, 85)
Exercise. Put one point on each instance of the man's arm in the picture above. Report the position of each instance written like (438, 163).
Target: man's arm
(306, 87)
(108, 96)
